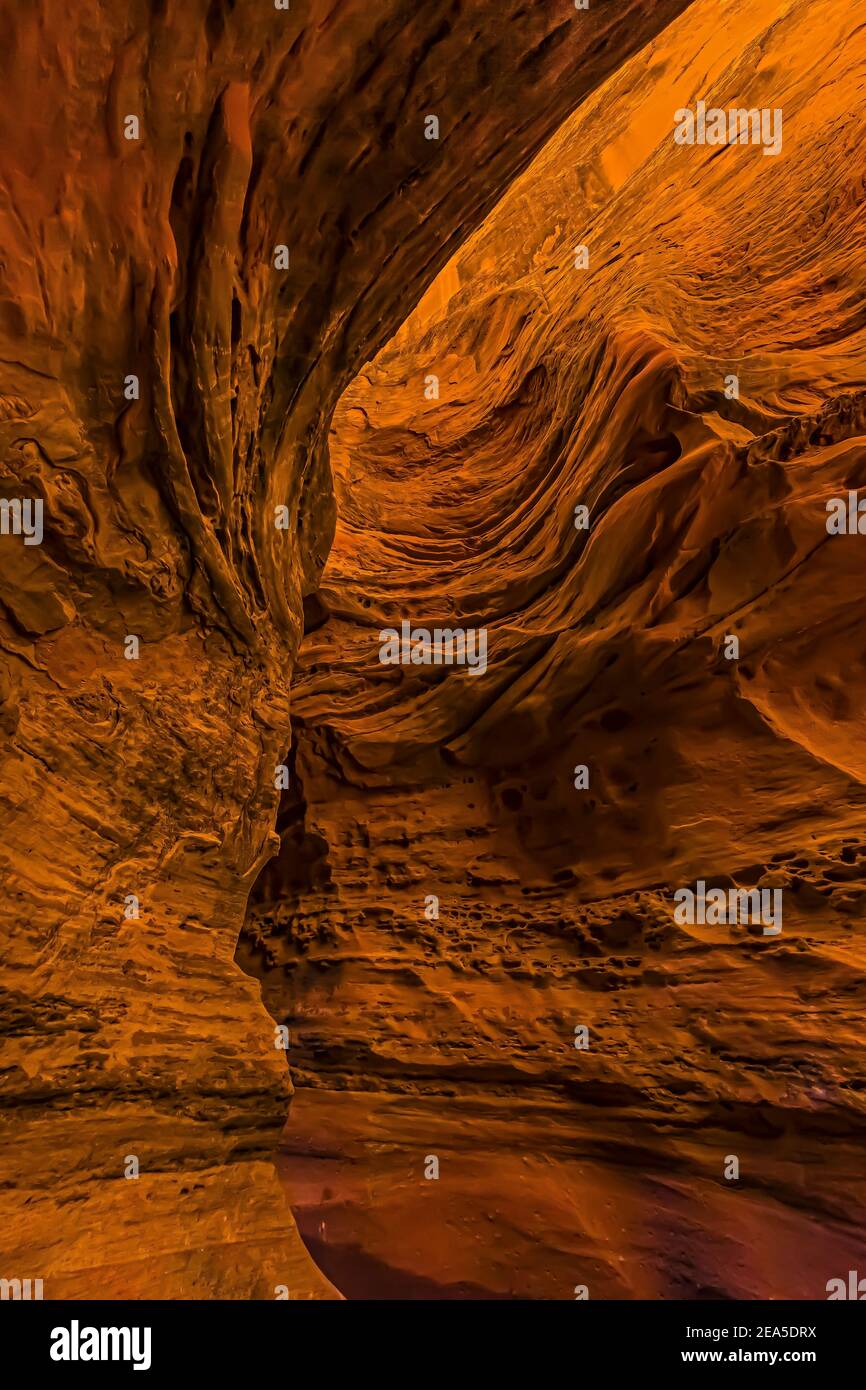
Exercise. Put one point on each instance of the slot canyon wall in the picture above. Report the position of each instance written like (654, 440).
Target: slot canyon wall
(447, 907)
(167, 388)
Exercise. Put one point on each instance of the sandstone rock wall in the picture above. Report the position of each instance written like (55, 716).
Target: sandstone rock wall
(560, 386)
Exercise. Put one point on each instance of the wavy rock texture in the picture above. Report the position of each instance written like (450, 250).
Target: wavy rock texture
(153, 777)
(605, 387)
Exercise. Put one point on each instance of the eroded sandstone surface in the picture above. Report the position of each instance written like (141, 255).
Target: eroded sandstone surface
(166, 387)
(414, 1035)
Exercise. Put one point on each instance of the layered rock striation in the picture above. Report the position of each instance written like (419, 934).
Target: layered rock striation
(670, 336)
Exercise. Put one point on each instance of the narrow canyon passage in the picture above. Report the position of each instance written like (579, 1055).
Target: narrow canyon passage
(470, 929)
(213, 213)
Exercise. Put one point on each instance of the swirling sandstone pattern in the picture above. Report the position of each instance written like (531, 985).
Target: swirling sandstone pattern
(153, 778)
(605, 387)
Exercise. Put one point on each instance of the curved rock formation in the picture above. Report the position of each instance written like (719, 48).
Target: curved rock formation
(700, 387)
(213, 214)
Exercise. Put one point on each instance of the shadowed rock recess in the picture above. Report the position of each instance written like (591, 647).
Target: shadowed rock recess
(452, 1030)
(154, 157)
